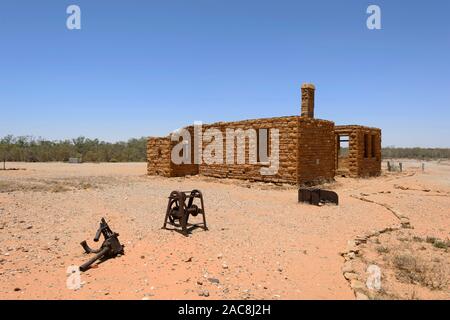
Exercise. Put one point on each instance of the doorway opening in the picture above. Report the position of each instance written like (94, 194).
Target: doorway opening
(343, 150)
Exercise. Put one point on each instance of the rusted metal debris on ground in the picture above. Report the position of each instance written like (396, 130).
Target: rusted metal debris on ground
(317, 196)
(110, 247)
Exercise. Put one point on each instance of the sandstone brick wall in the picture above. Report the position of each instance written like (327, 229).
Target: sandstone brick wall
(370, 165)
(306, 151)
(158, 156)
(159, 159)
(181, 170)
(288, 139)
(316, 151)
(364, 158)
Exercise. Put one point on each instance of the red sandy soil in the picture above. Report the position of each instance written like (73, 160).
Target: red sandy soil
(261, 243)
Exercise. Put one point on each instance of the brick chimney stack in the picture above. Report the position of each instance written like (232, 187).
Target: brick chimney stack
(308, 90)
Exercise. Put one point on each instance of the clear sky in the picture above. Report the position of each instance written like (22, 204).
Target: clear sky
(140, 68)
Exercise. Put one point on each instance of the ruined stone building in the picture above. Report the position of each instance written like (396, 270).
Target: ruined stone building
(310, 150)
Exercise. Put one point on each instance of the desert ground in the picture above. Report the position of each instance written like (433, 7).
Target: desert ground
(261, 243)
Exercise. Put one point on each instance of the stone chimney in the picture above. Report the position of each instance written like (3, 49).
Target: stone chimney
(308, 100)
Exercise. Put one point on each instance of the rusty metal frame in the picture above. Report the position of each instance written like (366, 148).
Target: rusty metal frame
(178, 210)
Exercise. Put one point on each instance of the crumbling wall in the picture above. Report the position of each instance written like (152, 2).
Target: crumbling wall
(364, 156)
(306, 152)
(159, 162)
(288, 139)
(369, 165)
(316, 151)
(158, 156)
(184, 169)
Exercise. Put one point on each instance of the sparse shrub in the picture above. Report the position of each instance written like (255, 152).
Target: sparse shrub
(411, 269)
(59, 188)
(431, 240)
(437, 243)
(441, 244)
(382, 250)
(405, 262)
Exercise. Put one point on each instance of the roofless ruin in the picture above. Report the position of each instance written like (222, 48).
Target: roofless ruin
(310, 150)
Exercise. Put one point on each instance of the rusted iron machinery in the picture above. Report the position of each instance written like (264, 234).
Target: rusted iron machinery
(110, 247)
(317, 197)
(181, 206)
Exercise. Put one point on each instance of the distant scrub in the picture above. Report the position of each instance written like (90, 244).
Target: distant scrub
(416, 153)
(30, 149)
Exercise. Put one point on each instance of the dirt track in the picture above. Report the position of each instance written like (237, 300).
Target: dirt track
(261, 244)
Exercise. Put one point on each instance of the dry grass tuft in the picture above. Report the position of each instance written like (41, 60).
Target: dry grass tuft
(414, 270)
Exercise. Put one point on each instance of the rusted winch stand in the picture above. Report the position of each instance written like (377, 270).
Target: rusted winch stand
(178, 210)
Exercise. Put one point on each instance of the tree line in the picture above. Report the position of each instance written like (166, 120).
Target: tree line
(415, 153)
(30, 149)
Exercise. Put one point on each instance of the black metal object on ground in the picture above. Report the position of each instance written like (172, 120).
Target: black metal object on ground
(181, 206)
(110, 247)
(317, 196)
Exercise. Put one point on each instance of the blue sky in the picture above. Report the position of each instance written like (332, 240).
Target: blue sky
(140, 68)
